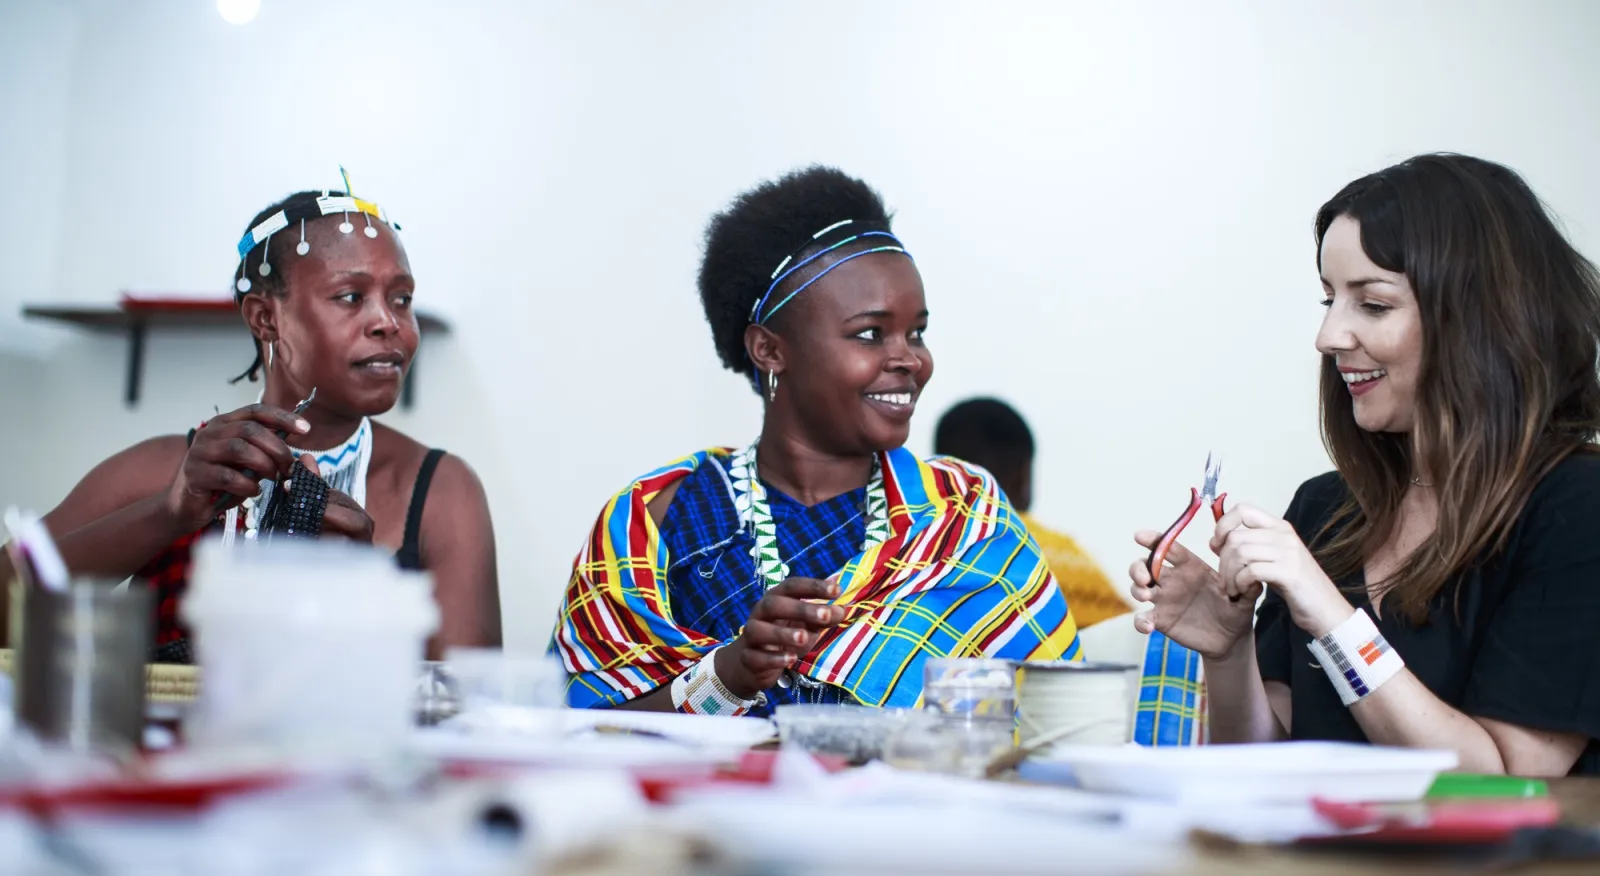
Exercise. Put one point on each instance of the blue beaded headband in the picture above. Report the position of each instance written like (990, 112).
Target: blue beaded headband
(779, 274)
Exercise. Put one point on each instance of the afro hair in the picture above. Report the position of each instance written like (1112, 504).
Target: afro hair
(747, 241)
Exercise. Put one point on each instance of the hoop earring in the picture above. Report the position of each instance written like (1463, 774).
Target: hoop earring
(772, 386)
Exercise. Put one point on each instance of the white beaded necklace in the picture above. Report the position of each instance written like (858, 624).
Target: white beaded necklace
(343, 467)
(750, 501)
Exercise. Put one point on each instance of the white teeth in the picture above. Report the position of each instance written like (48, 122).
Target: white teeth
(892, 398)
(1362, 376)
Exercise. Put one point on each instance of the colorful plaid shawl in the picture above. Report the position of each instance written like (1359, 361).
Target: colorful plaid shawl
(959, 576)
(1171, 708)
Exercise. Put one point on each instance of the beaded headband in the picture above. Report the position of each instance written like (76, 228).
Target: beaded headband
(326, 205)
(760, 314)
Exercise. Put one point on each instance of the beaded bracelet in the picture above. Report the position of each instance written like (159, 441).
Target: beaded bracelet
(1356, 657)
(698, 691)
(298, 511)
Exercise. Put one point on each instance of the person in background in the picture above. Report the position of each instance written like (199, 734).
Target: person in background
(991, 434)
(822, 562)
(324, 286)
(1438, 589)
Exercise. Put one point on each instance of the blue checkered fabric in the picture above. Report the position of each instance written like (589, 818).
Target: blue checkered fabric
(1169, 695)
(711, 578)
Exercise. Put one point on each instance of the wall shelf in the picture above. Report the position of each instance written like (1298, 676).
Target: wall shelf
(137, 314)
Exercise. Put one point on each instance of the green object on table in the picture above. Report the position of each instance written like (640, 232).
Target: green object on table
(1455, 785)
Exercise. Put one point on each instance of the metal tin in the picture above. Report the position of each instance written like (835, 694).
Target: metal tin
(81, 665)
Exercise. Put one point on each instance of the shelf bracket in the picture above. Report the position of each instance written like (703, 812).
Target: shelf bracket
(136, 333)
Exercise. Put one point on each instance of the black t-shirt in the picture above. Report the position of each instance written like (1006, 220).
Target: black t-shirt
(1521, 645)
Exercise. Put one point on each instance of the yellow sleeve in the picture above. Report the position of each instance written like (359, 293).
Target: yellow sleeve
(1090, 594)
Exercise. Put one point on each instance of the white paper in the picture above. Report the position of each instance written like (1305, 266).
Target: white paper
(577, 737)
(1273, 773)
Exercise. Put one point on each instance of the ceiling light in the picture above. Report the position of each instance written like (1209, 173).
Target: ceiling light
(238, 11)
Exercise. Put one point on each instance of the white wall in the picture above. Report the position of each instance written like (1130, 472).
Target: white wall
(36, 50)
(1110, 204)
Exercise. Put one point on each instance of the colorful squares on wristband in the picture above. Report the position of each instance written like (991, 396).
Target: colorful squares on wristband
(1374, 649)
(700, 692)
(1375, 660)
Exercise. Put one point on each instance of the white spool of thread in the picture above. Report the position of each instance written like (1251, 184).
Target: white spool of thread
(1064, 703)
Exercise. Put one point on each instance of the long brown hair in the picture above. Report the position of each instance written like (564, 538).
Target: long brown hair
(1508, 386)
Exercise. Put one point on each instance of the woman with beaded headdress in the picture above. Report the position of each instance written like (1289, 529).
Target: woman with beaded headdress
(823, 562)
(325, 288)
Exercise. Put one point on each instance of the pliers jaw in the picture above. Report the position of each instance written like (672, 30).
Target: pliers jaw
(1206, 495)
(1208, 487)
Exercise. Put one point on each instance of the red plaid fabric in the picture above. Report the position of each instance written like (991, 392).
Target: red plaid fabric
(167, 575)
(168, 578)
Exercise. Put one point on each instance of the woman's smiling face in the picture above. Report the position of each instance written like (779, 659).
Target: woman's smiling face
(1372, 331)
(854, 358)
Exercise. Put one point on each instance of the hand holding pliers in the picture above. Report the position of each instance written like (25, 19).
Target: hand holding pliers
(1205, 495)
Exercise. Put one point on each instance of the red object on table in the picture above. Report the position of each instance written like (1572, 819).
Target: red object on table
(1483, 820)
(185, 795)
(659, 784)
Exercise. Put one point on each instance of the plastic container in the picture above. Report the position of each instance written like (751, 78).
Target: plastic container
(501, 692)
(491, 677)
(927, 741)
(306, 647)
(970, 688)
(856, 733)
(1277, 772)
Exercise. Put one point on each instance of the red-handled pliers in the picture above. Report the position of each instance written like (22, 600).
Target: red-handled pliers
(1206, 495)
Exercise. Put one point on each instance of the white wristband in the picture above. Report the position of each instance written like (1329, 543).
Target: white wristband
(1356, 657)
(699, 691)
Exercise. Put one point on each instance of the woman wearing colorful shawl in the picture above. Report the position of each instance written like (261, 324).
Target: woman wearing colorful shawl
(824, 562)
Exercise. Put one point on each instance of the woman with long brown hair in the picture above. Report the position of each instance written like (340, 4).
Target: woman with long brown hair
(1441, 588)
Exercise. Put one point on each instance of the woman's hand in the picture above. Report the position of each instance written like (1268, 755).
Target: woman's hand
(783, 627)
(1259, 548)
(343, 517)
(220, 454)
(1190, 605)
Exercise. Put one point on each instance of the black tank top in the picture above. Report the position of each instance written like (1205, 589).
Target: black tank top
(409, 556)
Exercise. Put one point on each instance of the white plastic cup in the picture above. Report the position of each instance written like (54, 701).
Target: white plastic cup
(973, 689)
(306, 648)
(508, 692)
